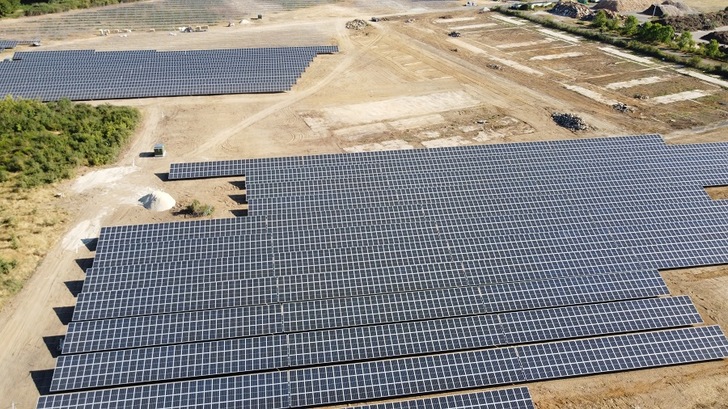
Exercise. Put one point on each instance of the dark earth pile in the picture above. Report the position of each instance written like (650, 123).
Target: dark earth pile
(569, 121)
(695, 22)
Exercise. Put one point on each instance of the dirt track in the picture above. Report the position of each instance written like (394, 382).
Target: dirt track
(376, 68)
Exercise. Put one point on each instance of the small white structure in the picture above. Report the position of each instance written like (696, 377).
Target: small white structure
(159, 151)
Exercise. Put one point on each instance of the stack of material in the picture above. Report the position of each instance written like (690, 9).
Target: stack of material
(157, 201)
(660, 10)
(356, 24)
(680, 5)
(569, 121)
(669, 8)
(571, 9)
(622, 6)
(719, 36)
(695, 22)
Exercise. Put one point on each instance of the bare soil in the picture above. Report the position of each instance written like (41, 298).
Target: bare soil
(390, 62)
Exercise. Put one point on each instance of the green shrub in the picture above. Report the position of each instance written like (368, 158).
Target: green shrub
(6, 266)
(42, 143)
(197, 209)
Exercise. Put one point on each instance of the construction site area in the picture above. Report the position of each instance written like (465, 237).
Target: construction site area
(399, 79)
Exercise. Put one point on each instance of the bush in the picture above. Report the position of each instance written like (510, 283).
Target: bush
(631, 24)
(600, 20)
(686, 42)
(6, 266)
(43, 143)
(8, 7)
(197, 209)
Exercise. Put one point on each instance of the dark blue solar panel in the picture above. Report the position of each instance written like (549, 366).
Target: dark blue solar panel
(91, 75)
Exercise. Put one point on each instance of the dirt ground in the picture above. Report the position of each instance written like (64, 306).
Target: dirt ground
(398, 84)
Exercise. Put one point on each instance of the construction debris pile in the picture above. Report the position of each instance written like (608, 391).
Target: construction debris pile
(697, 22)
(356, 24)
(569, 121)
(571, 9)
(622, 107)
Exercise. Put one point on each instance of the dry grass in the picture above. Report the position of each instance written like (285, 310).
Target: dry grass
(717, 192)
(30, 222)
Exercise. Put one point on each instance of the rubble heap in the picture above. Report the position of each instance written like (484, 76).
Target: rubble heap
(622, 107)
(571, 9)
(569, 121)
(356, 24)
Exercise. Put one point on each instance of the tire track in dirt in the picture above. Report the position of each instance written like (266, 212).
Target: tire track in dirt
(221, 137)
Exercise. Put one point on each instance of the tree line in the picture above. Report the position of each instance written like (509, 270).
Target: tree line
(656, 33)
(38, 7)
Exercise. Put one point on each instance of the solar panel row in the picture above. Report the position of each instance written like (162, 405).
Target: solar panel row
(121, 333)
(90, 75)
(501, 153)
(6, 44)
(526, 155)
(514, 398)
(364, 381)
(340, 304)
(231, 356)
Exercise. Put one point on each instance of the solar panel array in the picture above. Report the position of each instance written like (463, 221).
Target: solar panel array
(94, 75)
(288, 349)
(514, 398)
(379, 275)
(6, 44)
(369, 380)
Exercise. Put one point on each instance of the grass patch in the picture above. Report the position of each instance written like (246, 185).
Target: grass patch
(30, 222)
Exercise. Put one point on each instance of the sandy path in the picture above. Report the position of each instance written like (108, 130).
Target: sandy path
(290, 99)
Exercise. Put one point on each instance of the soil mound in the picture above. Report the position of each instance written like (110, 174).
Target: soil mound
(719, 36)
(157, 201)
(356, 24)
(669, 8)
(696, 22)
(621, 6)
(661, 10)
